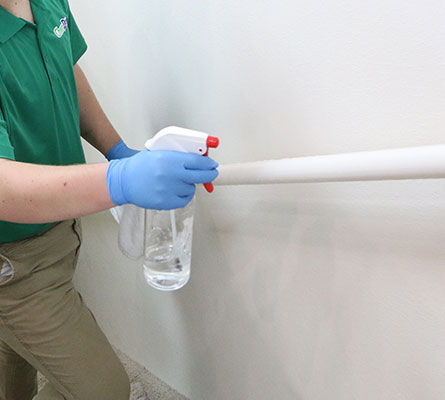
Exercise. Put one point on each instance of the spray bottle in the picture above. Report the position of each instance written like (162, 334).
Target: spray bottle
(168, 246)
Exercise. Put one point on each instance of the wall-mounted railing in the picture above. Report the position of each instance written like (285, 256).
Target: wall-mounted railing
(425, 162)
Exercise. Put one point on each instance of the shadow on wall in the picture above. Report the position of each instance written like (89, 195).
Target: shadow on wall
(319, 296)
(238, 301)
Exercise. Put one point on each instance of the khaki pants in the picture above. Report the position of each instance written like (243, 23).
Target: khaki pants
(46, 326)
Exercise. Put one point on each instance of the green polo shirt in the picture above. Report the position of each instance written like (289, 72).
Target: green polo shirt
(39, 110)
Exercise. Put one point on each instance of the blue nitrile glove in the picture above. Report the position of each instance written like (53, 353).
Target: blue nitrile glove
(160, 180)
(120, 150)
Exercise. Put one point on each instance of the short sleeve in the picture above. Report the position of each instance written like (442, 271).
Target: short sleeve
(6, 150)
(78, 44)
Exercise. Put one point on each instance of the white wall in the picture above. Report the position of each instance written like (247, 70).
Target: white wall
(314, 292)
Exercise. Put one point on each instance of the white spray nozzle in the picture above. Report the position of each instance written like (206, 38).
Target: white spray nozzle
(184, 140)
(179, 139)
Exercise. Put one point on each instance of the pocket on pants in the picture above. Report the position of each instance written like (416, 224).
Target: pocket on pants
(77, 228)
(38, 259)
(7, 270)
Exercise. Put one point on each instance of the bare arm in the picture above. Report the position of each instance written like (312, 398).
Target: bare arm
(95, 127)
(38, 194)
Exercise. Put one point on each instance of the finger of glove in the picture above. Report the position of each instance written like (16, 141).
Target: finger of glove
(187, 190)
(173, 203)
(197, 162)
(199, 176)
(129, 153)
(184, 200)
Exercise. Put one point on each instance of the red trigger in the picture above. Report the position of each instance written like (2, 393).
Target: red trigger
(212, 142)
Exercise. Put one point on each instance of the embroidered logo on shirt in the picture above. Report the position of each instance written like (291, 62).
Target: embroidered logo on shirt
(60, 30)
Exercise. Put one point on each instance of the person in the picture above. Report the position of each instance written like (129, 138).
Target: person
(46, 105)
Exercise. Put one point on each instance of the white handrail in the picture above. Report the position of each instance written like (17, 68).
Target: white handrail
(425, 162)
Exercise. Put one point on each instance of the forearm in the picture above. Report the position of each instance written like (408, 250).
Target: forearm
(95, 127)
(39, 194)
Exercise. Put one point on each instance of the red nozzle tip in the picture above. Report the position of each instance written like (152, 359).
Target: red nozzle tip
(212, 142)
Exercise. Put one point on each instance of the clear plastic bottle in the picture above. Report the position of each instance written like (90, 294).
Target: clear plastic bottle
(168, 248)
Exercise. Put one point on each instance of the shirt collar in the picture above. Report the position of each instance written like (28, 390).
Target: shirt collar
(9, 25)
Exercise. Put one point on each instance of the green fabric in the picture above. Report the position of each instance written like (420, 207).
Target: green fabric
(39, 110)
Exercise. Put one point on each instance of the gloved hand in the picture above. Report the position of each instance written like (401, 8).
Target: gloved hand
(120, 150)
(161, 180)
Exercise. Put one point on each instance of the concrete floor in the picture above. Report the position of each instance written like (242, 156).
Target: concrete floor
(144, 385)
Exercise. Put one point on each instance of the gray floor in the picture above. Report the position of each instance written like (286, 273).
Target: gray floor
(144, 385)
